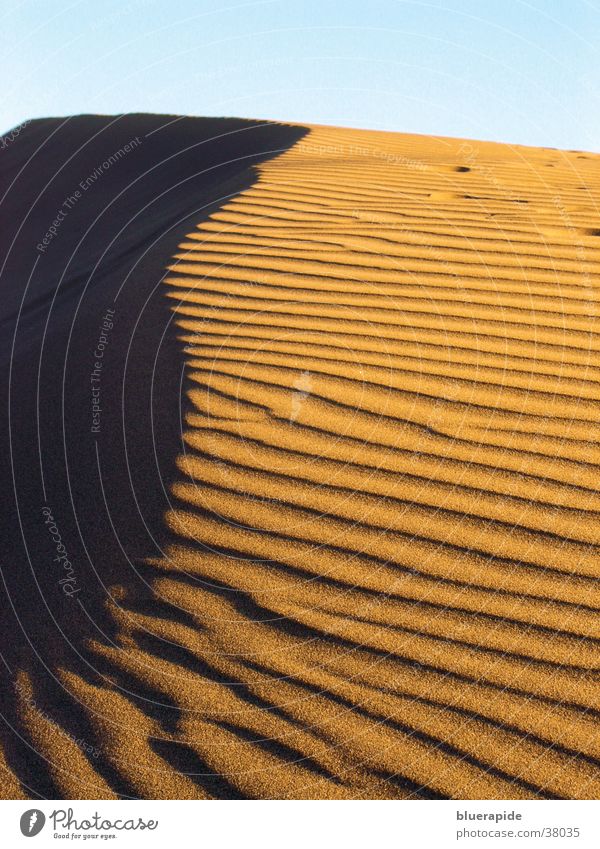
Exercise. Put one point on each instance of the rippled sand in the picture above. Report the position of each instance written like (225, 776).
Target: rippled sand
(384, 526)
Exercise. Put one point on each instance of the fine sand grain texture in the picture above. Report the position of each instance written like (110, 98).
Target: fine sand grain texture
(378, 570)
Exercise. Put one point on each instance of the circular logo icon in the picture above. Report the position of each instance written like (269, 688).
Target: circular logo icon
(32, 822)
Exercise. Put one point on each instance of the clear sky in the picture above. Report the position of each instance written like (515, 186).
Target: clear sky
(509, 70)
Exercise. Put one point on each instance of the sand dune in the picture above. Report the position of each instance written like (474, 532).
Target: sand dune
(375, 568)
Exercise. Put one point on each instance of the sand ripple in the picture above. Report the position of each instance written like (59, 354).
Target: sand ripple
(384, 577)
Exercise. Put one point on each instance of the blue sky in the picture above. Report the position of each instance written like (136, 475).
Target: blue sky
(507, 70)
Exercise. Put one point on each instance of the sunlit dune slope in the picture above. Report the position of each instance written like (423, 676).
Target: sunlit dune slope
(388, 504)
(381, 575)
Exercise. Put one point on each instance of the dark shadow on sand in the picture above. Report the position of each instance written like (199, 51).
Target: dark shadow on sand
(91, 211)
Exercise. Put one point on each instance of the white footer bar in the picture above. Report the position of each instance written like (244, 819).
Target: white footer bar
(302, 825)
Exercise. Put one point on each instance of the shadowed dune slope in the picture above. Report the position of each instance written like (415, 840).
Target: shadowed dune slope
(369, 565)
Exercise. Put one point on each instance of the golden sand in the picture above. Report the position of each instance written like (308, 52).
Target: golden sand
(387, 509)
